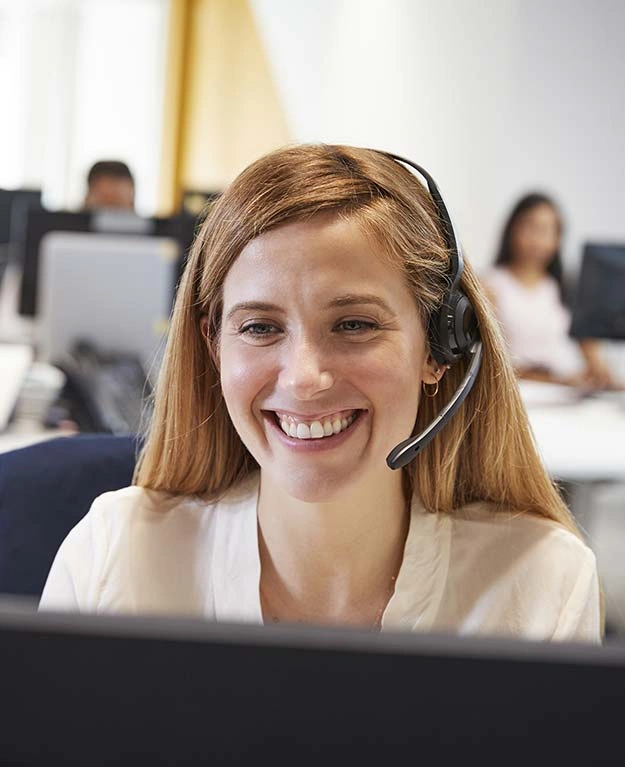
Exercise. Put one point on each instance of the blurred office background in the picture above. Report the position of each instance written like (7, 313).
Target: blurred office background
(494, 97)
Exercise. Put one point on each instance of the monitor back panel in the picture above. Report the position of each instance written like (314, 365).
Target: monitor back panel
(599, 307)
(37, 224)
(223, 694)
(114, 291)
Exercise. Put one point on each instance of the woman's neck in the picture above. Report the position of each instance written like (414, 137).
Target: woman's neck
(330, 562)
(527, 274)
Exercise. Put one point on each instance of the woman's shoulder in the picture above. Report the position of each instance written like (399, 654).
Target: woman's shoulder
(140, 549)
(135, 500)
(503, 519)
(524, 535)
(113, 514)
(145, 506)
(520, 573)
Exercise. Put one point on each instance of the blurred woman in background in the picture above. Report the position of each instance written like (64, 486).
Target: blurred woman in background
(526, 288)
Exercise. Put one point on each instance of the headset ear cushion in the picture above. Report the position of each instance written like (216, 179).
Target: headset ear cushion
(453, 329)
(465, 324)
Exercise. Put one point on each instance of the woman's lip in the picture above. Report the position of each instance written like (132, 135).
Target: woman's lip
(306, 445)
(343, 412)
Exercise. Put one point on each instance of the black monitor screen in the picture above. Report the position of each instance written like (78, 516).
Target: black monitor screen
(599, 308)
(14, 204)
(39, 222)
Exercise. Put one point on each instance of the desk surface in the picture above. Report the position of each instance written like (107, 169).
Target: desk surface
(24, 433)
(579, 440)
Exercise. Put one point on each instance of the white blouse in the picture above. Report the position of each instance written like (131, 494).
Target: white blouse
(476, 571)
(535, 323)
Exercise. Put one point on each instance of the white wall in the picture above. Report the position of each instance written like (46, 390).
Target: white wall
(119, 91)
(81, 80)
(494, 97)
(16, 77)
(572, 110)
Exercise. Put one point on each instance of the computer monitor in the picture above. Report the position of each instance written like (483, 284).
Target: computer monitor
(39, 223)
(6, 203)
(112, 291)
(14, 204)
(4, 262)
(96, 689)
(599, 307)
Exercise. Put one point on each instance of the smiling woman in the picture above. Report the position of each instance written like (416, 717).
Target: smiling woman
(324, 297)
(316, 358)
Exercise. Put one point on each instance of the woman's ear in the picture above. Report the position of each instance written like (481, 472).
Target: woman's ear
(432, 371)
(212, 344)
(204, 327)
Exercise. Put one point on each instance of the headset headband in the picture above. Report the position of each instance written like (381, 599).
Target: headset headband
(456, 261)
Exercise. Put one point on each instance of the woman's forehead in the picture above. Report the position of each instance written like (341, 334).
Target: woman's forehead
(324, 253)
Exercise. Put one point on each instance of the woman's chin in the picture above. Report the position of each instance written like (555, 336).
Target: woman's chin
(316, 487)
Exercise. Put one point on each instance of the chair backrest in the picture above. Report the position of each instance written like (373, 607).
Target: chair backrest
(45, 489)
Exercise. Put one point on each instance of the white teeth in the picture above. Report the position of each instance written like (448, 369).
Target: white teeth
(303, 431)
(315, 430)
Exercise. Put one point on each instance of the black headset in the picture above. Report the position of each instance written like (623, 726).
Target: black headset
(453, 331)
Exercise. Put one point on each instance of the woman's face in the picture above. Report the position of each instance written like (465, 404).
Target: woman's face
(322, 353)
(535, 236)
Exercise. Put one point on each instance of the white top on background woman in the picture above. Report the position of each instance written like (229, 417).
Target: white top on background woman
(305, 345)
(526, 288)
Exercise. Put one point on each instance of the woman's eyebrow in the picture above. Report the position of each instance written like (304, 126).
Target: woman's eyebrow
(253, 306)
(352, 299)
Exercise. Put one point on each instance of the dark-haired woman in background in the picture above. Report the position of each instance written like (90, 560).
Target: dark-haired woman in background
(526, 288)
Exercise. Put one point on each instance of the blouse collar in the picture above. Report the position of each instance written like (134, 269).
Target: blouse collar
(423, 572)
(236, 564)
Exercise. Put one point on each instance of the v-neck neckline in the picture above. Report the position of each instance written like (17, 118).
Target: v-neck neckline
(236, 564)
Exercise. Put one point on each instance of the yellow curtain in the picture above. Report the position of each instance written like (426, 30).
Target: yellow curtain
(221, 106)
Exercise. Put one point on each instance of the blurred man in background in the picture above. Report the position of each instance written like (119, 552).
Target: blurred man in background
(110, 184)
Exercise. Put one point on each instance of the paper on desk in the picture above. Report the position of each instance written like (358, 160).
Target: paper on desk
(15, 361)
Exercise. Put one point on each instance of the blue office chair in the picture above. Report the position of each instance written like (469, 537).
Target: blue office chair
(45, 489)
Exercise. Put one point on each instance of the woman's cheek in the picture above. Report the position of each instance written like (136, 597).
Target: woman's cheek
(244, 374)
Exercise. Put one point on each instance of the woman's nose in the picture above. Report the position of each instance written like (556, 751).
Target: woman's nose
(305, 371)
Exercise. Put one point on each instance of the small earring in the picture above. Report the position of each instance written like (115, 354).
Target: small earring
(426, 392)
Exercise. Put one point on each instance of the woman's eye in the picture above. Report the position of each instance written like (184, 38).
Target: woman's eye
(258, 329)
(356, 326)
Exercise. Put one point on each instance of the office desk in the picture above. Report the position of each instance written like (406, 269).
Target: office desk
(13, 327)
(24, 433)
(581, 441)
(26, 429)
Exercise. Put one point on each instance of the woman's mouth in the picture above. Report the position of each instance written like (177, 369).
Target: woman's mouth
(317, 428)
